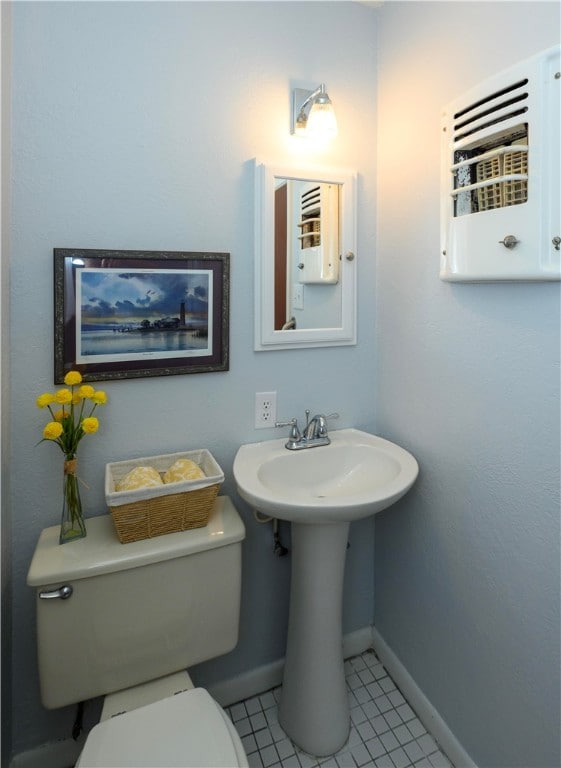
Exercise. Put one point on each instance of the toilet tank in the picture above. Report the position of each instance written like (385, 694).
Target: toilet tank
(137, 611)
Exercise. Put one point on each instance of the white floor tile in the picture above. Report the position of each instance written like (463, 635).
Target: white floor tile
(416, 727)
(385, 731)
(366, 731)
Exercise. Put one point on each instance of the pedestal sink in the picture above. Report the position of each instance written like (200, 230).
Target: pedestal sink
(320, 490)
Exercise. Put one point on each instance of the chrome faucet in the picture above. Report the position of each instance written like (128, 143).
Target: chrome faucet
(313, 435)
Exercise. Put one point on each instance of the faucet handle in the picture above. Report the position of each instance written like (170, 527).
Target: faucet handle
(293, 424)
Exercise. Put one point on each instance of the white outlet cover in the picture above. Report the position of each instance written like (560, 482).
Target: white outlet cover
(265, 410)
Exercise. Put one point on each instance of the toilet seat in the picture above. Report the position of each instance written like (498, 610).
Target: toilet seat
(189, 730)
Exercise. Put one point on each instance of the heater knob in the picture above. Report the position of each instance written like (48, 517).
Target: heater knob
(509, 241)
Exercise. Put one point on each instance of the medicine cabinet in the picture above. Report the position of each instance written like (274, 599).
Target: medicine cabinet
(500, 201)
(305, 257)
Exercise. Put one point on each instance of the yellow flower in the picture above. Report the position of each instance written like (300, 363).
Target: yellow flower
(72, 418)
(90, 425)
(72, 378)
(63, 397)
(99, 397)
(52, 430)
(45, 399)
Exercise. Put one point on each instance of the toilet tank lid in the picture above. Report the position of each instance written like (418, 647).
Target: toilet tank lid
(101, 551)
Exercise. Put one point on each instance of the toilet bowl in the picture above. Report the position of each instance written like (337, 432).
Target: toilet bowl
(128, 620)
(165, 722)
(189, 730)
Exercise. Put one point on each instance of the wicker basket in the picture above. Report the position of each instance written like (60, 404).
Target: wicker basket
(169, 508)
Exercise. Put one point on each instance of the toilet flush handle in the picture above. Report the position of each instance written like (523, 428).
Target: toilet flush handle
(63, 593)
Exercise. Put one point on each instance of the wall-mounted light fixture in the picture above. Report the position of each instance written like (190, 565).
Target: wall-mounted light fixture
(313, 114)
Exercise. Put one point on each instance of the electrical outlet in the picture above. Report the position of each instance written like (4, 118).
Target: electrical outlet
(298, 296)
(265, 409)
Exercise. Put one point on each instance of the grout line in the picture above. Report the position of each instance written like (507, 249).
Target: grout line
(385, 731)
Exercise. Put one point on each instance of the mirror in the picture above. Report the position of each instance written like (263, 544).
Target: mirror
(305, 266)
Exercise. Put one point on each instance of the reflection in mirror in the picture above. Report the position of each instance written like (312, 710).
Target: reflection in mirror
(307, 254)
(304, 260)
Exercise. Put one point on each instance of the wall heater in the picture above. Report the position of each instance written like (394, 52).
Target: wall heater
(500, 200)
(318, 256)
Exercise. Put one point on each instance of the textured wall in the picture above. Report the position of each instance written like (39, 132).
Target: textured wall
(134, 126)
(467, 567)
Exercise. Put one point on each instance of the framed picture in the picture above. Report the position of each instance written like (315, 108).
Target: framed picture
(131, 314)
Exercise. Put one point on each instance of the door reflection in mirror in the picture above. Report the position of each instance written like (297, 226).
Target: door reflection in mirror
(307, 292)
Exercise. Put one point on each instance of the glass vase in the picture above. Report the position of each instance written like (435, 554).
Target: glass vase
(72, 526)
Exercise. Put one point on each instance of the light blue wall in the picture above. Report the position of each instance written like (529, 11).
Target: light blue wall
(134, 125)
(467, 566)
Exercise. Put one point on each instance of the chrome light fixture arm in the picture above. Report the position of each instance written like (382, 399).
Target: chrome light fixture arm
(302, 119)
(303, 103)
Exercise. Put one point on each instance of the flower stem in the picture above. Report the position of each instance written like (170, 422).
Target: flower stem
(72, 525)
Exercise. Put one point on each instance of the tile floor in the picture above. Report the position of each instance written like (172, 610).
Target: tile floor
(385, 732)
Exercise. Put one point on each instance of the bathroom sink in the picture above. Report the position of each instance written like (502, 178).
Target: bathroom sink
(357, 475)
(320, 490)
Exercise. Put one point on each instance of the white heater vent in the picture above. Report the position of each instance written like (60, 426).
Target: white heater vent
(318, 260)
(496, 108)
(500, 189)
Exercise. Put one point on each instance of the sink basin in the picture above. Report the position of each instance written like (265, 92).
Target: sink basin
(357, 475)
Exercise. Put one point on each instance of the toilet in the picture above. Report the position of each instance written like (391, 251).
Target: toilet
(126, 621)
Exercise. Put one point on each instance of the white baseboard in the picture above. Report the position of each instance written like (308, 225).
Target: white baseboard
(419, 702)
(269, 676)
(248, 684)
(64, 754)
(357, 642)
(56, 754)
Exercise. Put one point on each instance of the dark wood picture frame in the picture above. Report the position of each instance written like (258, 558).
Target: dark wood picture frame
(134, 314)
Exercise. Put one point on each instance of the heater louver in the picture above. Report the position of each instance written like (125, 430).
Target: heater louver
(491, 110)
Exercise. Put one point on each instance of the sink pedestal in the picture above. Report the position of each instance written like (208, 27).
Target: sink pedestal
(314, 708)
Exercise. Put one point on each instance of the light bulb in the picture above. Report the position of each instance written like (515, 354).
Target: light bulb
(321, 120)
